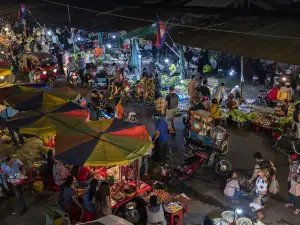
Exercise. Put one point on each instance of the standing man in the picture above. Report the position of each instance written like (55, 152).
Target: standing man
(192, 87)
(11, 167)
(161, 137)
(220, 93)
(71, 68)
(171, 108)
(7, 114)
(81, 66)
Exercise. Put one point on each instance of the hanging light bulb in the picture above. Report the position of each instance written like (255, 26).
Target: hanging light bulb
(49, 32)
(114, 36)
(6, 29)
(139, 56)
(166, 60)
(78, 38)
(108, 45)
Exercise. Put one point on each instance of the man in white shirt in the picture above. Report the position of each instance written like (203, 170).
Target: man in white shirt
(232, 189)
(220, 93)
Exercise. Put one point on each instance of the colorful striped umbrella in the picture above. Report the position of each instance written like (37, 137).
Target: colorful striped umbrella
(43, 117)
(11, 89)
(102, 143)
(39, 98)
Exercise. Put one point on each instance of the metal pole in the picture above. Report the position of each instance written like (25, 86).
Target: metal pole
(242, 74)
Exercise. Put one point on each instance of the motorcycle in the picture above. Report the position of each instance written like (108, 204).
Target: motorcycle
(197, 157)
(73, 79)
(287, 144)
(255, 80)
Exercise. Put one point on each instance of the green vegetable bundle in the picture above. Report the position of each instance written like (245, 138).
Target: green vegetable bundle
(240, 116)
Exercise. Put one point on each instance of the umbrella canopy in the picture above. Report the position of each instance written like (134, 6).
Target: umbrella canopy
(5, 72)
(39, 98)
(11, 89)
(102, 143)
(43, 117)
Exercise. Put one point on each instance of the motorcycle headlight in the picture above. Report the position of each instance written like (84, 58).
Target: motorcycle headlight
(44, 72)
(55, 70)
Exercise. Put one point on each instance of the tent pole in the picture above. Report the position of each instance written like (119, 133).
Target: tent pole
(172, 50)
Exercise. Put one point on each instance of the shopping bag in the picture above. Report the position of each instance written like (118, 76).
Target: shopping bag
(295, 188)
(256, 204)
(274, 187)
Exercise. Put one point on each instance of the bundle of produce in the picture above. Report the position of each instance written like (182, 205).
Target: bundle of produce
(159, 104)
(164, 93)
(281, 122)
(240, 116)
(150, 90)
(264, 121)
(114, 172)
(31, 151)
(164, 80)
(182, 90)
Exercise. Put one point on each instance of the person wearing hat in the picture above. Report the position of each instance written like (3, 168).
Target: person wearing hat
(11, 167)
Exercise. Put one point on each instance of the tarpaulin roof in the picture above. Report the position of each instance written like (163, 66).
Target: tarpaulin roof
(102, 143)
(254, 37)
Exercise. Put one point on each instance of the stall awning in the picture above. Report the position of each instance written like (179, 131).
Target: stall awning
(271, 40)
(141, 32)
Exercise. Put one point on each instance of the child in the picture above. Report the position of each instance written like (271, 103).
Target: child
(232, 189)
(293, 199)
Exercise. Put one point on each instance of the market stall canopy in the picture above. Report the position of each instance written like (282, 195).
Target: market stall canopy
(141, 32)
(32, 119)
(102, 143)
(261, 38)
(109, 220)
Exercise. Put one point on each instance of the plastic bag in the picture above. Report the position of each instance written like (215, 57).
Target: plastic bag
(274, 187)
(256, 204)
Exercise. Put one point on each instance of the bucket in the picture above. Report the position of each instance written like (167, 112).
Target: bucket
(38, 186)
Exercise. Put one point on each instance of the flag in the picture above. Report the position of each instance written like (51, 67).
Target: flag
(161, 34)
(22, 12)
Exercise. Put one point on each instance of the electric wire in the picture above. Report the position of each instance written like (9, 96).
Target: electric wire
(209, 28)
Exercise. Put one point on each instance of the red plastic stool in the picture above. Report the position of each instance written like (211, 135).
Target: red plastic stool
(172, 215)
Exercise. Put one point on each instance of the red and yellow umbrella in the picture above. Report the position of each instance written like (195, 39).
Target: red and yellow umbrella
(102, 143)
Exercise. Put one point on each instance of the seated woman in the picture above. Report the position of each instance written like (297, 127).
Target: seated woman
(232, 189)
(90, 213)
(155, 212)
(71, 204)
(231, 104)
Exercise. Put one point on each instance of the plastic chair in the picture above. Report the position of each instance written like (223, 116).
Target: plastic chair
(173, 215)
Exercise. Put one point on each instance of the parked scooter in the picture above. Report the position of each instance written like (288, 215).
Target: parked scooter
(287, 144)
(73, 80)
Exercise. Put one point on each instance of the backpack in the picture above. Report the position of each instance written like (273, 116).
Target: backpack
(173, 103)
(266, 164)
(296, 113)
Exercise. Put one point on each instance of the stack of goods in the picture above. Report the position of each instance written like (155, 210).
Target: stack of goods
(165, 197)
(265, 121)
(159, 104)
(124, 189)
(150, 90)
(113, 172)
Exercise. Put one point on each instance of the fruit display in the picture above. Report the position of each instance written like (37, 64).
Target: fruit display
(281, 122)
(266, 121)
(129, 189)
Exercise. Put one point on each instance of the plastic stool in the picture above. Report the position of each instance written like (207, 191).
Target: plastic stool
(172, 216)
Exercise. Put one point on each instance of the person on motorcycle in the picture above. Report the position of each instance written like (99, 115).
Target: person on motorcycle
(161, 137)
(71, 68)
(132, 118)
(272, 94)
